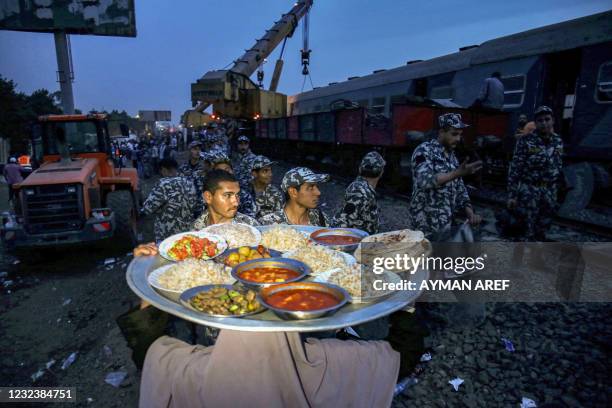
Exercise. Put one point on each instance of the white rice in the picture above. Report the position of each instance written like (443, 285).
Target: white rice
(283, 239)
(194, 272)
(318, 258)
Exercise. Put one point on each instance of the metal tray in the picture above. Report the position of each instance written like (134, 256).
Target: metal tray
(349, 315)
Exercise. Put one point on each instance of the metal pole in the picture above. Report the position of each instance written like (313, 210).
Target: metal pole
(64, 71)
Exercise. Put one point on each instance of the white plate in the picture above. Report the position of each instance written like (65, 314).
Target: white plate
(167, 243)
(154, 276)
(348, 259)
(391, 277)
(214, 229)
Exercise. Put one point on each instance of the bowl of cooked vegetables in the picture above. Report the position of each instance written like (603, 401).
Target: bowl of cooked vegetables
(222, 301)
(303, 300)
(235, 256)
(261, 273)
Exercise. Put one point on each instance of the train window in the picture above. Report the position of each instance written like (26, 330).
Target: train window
(442, 92)
(603, 90)
(378, 105)
(514, 90)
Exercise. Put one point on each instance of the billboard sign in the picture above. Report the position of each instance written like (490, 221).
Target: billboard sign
(155, 116)
(94, 17)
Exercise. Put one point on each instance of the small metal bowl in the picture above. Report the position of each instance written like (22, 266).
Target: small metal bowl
(190, 293)
(301, 268)
(336, 291)
(349, 232)
(221, 258)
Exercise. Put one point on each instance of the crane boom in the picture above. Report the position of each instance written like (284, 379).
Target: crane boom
(231, 92)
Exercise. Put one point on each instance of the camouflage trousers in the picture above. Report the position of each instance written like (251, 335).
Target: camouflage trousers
(537, 207)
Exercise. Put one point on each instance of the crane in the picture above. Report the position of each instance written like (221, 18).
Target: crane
(232, 93)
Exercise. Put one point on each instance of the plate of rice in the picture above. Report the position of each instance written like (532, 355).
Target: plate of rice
(236, 234)
(359, 283)
(283, 238)
(320, 259)
(172, 280)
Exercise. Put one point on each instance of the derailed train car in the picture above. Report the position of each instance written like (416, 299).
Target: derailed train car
(567, 66)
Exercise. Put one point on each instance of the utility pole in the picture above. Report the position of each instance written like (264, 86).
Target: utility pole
(64, 70)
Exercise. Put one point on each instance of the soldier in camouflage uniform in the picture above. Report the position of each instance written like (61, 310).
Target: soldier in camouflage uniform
(268, 198)
(222, 196)
(301, 200)
(534, 176)
(438, 191)
(172, 201)
(242, 160)
(220, 161)
(360, 208)
(194, 170)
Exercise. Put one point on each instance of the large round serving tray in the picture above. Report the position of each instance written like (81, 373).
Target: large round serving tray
(349, 315)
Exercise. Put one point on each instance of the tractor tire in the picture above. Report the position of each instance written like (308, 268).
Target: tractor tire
(123, 206)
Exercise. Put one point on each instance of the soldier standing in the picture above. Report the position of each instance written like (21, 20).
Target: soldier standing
(242, 160)
(172, 201)
(360, 208)
(438, 189)
(302, 196)
(268, 198)
(534, 176)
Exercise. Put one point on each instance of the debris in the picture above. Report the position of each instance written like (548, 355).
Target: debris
(401, 386)
(50, 364)
(69, 360)
(109, 261)
(425, 357)
(16, 262)
(66, 302)
(37, 375)
(352, 332)
(89, 400)
(59, 320)
(456, 383)
(107, 351)
(528, 403)
(508, 344)
(7, 283)
(115, 378)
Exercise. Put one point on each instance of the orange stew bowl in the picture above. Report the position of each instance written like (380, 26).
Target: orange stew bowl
(303, 300)
(261, 273)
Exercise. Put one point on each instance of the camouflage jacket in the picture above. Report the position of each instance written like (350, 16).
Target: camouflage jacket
(172, 201)
(266, 202)
(247, 204)
(360, 208)
(432, 206)
(242, 166)
(203, 220)
(537, 162)
(192, 171)
(316, 218)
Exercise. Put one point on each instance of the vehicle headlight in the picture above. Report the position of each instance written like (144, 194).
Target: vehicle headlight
(71, 189)
(29, 192)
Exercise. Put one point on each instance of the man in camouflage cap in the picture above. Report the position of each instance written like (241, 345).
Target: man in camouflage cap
(438, 191)
(302, 196)
(242, 160)
(195, 165)
(360, 208)
(268, 198)
(221, 161)
(172, 201)
(535, 174)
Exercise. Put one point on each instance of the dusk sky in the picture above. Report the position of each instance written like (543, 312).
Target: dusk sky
(175, 45)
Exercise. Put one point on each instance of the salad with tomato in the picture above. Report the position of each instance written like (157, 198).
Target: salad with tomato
(191, 246)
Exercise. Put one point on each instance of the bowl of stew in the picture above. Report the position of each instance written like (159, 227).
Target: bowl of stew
(264, 272)
(342, 239)
(303, 300)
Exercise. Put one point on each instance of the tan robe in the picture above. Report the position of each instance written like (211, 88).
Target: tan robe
(245, 369)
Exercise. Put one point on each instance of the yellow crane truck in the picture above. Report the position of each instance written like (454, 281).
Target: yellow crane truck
(76, 194)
